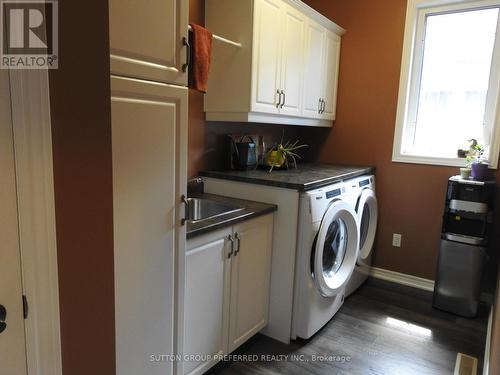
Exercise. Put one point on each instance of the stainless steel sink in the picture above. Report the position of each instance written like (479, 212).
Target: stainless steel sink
(202, 209)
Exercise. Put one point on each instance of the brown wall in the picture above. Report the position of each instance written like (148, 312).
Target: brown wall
(197, 158)
(81, 130)
(410, 196)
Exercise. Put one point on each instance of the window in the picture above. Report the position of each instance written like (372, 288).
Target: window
(449, 85)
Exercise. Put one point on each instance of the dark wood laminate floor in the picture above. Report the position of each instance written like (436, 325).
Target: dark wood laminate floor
(384, 329)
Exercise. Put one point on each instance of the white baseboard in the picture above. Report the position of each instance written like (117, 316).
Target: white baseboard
(403, 279)
(416, 282)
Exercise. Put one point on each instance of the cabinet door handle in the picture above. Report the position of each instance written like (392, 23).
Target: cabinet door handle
(238, 239)
(3, 316)
(186, 209)
(319, 105)
(231, 249)
(284, 99)
(279, 98)
(185, 66)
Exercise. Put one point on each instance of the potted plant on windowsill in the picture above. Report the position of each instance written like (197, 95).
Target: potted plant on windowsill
(478, 163)
(466, 171)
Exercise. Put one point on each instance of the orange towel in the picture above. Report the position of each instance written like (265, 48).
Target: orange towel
(201, 42)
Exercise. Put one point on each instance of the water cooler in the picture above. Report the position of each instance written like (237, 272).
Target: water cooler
(466, 229)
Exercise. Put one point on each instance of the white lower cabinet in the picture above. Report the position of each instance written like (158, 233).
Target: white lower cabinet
(206, 300)
(250, 276)
(226, 292)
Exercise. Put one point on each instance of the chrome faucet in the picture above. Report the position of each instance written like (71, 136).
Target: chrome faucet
(196, 180)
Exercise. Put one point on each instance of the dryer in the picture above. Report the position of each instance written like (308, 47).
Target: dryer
(361, 194)
(327, 250)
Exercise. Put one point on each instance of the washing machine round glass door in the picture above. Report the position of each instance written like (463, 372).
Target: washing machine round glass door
(336, 248)
(367, 210)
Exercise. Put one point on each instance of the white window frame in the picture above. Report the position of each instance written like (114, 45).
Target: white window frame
(411, 70)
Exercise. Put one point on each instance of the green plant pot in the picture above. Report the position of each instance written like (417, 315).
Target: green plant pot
(465, 173)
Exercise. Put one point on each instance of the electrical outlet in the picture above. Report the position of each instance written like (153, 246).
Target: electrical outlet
(396, 239)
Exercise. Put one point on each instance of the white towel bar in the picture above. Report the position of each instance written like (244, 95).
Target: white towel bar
(224, 40)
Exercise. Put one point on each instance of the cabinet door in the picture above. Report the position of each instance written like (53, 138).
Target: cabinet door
(266, 55)
(313, 65)
(149, 123)
(146, 39)
(330, 74)
(206, 299)
(292, 66)
(250, 275)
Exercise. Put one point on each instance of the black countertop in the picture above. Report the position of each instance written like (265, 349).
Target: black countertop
(305, 177)
(250, 210)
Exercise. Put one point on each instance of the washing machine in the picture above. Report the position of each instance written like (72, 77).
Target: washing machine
(327, 250)
(360, 192)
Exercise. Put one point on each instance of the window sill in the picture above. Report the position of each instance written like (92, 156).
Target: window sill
(444, 162)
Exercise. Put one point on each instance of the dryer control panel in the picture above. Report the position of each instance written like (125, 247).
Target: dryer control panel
(319, 199)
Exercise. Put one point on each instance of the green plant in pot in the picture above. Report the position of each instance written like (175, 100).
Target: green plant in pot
(281, 155)
(466, 171)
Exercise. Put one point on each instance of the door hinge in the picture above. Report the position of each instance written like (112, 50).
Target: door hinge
(25, 307)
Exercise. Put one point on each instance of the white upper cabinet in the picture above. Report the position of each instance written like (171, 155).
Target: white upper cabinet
(288, 63)
(322, 53)
(268, 40)
(292, 65)
(278, 58)
(330, 74)
(313, 69)
(146, 39)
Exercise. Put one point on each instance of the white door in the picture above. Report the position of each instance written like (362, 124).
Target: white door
(367, 210)
(334, 256)
(250, 276)
(267, 56)
(12, 336)
(149, 150)
(206, 306)
(146, 39)
(330, 74)
(313, 74)
(292, 66)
